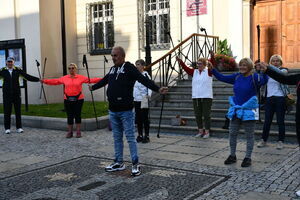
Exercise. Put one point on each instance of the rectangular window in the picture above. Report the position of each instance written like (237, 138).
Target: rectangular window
(100, 28)
(157, 12)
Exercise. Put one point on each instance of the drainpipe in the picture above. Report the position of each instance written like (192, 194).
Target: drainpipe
(63, 37)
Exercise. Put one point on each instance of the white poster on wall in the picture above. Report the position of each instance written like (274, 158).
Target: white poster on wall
(2, 59)
(17, 55)
(2, 62)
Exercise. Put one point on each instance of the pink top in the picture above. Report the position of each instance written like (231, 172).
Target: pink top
(73, 85)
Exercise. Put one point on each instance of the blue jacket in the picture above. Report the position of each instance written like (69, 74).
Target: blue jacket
(245, 112)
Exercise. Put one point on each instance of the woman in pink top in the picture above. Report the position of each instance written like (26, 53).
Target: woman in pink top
(73, 96)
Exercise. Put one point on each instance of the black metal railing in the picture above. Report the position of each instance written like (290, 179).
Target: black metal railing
(166, 70)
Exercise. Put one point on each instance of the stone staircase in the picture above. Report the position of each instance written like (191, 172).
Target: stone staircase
(178, 102)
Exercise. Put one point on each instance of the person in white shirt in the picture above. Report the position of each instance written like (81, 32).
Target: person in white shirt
(275, 103)
(202, 93)
(141, 95)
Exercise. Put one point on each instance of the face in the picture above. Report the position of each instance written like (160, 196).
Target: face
(276, 62)
(72, 69)
(117, 57)
(139, 66)
(200, 65)
(10, 64)
(244, 68)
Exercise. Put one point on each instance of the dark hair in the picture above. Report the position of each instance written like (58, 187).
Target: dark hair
(141, 61)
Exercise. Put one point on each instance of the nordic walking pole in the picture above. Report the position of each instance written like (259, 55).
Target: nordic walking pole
(43, 74)
(258, 56)
(42, 86)
(85, 64)
(161, 111)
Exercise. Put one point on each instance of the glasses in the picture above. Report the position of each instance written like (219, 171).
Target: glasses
(71, 68)
(199, 63)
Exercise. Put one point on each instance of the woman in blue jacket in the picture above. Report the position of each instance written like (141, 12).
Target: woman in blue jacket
(243, 106)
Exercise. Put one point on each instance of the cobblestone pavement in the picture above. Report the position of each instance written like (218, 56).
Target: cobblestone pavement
(43, 164)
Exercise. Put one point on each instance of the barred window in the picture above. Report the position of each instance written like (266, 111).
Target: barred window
(100, 30)
(157, 15)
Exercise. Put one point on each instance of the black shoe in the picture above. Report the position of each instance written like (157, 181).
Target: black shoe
(230, 160)
(246, 162)
(139, 139)
(146, 139)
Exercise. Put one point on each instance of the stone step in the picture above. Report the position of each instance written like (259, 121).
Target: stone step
(188, 95)
(215, 112)
(217, 132)
(216, 103)
(218, 122)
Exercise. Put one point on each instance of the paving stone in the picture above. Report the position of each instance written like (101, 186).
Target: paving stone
(172, 156)
(262, 196)
(10, 156)
(255, 167)
(188, 149)
(197, 142)
(28, 160)
(7, 166)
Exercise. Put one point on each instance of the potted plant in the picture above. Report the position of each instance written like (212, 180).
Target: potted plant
(224, 59)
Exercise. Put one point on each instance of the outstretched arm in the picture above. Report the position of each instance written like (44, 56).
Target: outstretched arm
(100, 84)
(28, 77)
(188, 70)
(275, 73)
(55, 81)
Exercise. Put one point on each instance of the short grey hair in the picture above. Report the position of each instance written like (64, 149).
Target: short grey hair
(121, 49)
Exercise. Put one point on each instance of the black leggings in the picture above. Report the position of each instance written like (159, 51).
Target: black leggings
(7, 107)
(73, 109)
(141, 118)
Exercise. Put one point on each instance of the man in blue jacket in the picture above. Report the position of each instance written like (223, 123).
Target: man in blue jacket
(120, 79)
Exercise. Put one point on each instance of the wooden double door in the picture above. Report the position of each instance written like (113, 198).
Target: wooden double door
(279, 22)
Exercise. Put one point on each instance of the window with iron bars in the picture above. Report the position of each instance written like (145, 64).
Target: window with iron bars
(100, 27)
(157, 15)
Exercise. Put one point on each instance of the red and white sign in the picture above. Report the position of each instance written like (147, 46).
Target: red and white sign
(196, 7)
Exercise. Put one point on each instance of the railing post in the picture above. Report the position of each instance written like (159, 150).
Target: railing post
(147, 47)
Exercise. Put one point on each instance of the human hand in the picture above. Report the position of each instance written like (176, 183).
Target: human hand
(163, 90)
(90, 87)
(262, 66)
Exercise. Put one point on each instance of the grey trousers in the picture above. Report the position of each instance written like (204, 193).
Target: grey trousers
(234, 127)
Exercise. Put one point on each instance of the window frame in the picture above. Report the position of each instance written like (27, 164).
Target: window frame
(104, 16)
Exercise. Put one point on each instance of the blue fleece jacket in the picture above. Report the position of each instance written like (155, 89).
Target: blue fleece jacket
(243, 87)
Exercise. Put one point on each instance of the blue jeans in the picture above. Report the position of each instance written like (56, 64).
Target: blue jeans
(123, 122)
(274, 104)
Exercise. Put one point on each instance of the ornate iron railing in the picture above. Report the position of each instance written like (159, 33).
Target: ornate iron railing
(166, 70)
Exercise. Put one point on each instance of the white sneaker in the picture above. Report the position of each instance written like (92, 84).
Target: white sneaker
(198, 135)
(205, 136)
(298, 193)
(279, 145)
(262, 143)
(20, 130)
(135, 170)
(7, 131)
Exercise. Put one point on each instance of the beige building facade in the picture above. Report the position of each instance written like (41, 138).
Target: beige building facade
(92, 27)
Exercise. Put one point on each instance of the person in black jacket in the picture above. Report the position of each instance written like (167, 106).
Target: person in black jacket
(12, 92)
(120, 79)
(289, 79)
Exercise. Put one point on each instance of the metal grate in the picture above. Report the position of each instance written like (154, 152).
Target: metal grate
(156, 14)
(100, 27)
